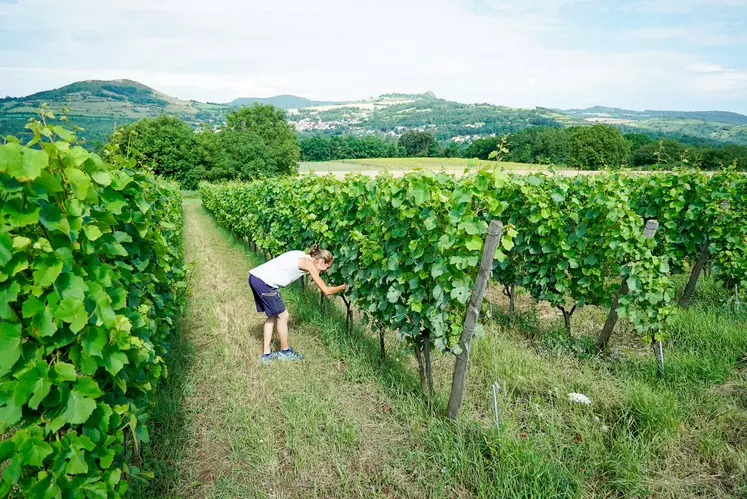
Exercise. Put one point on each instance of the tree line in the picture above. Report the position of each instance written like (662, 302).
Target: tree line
(257, 141)
(590, 147)
(600, 146)
(413, 143)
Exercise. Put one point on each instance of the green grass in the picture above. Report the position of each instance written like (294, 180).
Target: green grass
(343, 424)
(407, 164)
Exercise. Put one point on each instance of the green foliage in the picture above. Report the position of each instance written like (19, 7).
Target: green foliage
(256, 142)
(408, 247)
(90, 278)
(714, 158)
(166, 145)
(326, 148)
(574, 238)
(597, 147)
(452, 150)
(543, 145)
(451, 119)
(259, 142)
(481, 148)
(688, 206)
(660, 153)
(637, 140)
(415, 143)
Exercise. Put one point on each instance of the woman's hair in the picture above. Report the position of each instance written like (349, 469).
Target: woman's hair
(317, 253)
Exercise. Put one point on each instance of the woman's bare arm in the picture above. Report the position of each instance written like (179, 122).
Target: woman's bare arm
(308, 265)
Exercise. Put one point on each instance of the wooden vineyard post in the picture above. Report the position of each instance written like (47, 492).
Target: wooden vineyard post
(381, 342)
(348, 315)
(459, 382)
(609, 326)
(427, 361)
(510, 292)
(700, 263)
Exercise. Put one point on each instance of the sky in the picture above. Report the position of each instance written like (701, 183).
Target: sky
(634, 54)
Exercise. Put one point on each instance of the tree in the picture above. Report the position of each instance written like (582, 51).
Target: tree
(451, 150)
(164, 144)
(539, 145)
(664, 152)
(213, 157)
(373, 146)
(637, 140)
(481, 148)
(598, 146)
(417, 143)
(255, 141)
(259, 142)
(315, 148)
(719, 157)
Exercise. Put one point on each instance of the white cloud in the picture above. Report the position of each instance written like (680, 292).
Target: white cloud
(707, 68)
(656, 33)
(683, 6)
(498, 51)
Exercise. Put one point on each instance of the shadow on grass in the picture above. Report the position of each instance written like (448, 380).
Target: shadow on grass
(359, 346)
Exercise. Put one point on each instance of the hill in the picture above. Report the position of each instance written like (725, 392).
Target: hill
(597, 112)
(393, 113)
(98, 106)
(689, 126)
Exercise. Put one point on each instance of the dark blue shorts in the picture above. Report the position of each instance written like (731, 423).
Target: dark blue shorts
(267, 298)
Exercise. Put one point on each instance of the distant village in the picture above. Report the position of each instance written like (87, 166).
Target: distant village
(310, 125)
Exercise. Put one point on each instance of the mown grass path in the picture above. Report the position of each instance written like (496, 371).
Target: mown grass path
(227, 426)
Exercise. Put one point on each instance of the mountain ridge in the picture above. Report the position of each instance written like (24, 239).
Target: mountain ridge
(283, 101)
(100, 105)
(729, 117)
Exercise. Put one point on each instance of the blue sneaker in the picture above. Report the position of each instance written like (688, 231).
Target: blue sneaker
(289, 354)
(266, 358)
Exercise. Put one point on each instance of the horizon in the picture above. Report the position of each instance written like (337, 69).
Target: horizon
(685, 55)
(19, 97)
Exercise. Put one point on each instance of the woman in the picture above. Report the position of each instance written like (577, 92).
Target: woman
(279, 272)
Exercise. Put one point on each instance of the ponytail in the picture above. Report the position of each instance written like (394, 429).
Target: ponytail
(317, 253)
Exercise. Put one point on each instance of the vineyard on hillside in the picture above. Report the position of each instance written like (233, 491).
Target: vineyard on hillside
(408, 247)
(90, 285)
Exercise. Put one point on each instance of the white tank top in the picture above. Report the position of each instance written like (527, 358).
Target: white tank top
(282, 270)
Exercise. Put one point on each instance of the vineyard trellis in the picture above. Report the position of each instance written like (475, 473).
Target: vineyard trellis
(90, 284)
(408, 247)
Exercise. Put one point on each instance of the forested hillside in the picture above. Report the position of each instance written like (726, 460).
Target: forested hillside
(99, 106)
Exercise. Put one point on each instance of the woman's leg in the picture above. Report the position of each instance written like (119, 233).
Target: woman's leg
(282, 323)
(269, 323)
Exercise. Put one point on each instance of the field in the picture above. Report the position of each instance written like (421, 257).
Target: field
(374, 166)
(341, 423)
